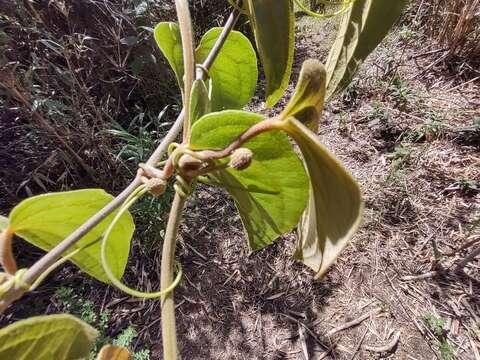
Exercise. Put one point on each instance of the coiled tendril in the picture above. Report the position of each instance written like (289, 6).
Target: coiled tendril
(137, 194)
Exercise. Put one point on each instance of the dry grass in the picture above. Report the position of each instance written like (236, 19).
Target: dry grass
(455, 24)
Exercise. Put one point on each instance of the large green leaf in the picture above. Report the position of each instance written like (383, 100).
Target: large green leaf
(45, 220)
(168, 38)
(234, 73)
(53, 337)
(272, 193)
(273, 24)
(363, 27)
(306, 104)
(335, 207)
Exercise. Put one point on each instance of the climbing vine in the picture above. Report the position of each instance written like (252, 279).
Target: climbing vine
(249, 155)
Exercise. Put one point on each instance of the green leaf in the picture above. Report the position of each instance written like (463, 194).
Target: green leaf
(168, 38)
(234, 73)
(59, 337)
(335, 206)
(3, 222)
(363, 27)
(273, 25)
(306, 104)
(199, 101)
(272, 193)
(46, 220)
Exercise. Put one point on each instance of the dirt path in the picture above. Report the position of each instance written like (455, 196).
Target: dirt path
(411, 143)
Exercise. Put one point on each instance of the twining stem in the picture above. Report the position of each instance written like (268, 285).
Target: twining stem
(255, 130)
(212, 56)
(185, 24)
(169, 332)
(44, 263)
(52, 256)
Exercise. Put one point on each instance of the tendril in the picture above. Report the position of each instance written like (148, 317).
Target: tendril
(116, 282)
(14, 280)
(345, 4)
(183, 187)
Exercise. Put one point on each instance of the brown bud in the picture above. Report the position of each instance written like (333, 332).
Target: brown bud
(189, 163)
(156, 186)
(241, 159)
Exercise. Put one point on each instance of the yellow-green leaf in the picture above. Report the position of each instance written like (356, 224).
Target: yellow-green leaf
(46, 220)
(272, 193)
(273, 25)
(234, 73)
(306, 104)
(110, 352)
(363, 27)
(335, 206)
(168, 38)
(199, 101)
(53, 337)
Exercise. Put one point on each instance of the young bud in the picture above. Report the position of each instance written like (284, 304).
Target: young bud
(156, 186)
(189, 163)
(241, 159)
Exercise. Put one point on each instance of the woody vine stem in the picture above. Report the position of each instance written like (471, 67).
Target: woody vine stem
(45, 264)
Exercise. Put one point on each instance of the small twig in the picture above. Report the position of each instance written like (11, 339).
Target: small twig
(310, 332)
(474, 348)
(461, 265)
(303, 341)
(8, 83)
(357, 348)
(387, 347)
(463, 84)
(431, 52)
(427, 275)
(354, 322)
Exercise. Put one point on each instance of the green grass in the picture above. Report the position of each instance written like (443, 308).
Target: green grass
(85, 310)
(437, 326)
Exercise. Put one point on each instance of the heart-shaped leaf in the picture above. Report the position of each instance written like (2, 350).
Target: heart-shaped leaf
(272, 193)
(110, 352)
(234, 73)
(335, 207)
(199, 101)
(363, 27)
(59, 337)
(273, 24)
(46, 220)
(168, 38)
(306, 104)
